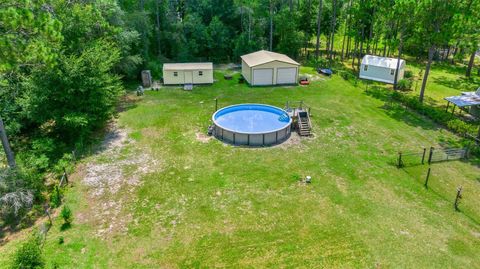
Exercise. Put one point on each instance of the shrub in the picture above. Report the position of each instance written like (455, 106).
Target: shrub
(29, 255)
(61, 240)
(408, 74)
(436, 114)
(55, 197)
(347, 75)
(404, 84)
(66, 214)
(16, 194)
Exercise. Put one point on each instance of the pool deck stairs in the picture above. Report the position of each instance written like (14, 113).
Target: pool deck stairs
(304, 125)
(300, 114)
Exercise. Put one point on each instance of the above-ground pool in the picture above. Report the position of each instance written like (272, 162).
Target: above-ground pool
(252, 124)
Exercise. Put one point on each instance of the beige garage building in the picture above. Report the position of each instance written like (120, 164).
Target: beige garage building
(269, 68)
(187, 73)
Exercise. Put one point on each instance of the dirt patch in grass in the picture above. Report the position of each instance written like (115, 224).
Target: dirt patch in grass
(203, 137)
(111, 182)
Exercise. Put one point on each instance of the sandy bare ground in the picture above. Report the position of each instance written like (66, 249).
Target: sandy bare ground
(111, 178)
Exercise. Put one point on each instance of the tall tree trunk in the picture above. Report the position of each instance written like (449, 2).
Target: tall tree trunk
(347, 26)
(332, 31)
(349, 41)
(144, 31)
(370, 34)
(470, 64)
(355, 52)
(400, 47)
(6, 146)
(448, 52)
(271, 26)
(249, 26)
(290, 3)
(157, 13)
(431, 52)
(319, 22)
(361, 50)
(455, 51)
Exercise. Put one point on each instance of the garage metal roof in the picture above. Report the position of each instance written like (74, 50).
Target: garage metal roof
(381, 61)
(188, 66)
(263, 57)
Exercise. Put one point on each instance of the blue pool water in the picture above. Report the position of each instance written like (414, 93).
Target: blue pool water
(251, 118)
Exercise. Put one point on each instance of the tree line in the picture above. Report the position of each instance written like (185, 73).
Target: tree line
(63, 63)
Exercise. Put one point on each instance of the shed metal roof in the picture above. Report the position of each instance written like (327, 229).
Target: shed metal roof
(381, 61)
(466, 99)
(263, 57)
(188, 66)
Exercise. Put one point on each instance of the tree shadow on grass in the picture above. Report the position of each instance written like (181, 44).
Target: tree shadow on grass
(461, 84)
(443, 197)
(399, 112)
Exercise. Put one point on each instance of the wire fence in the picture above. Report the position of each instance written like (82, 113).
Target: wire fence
(432, 155)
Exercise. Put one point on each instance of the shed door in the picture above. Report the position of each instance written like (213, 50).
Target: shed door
(263, 76)
(188, 77)
(287, 75)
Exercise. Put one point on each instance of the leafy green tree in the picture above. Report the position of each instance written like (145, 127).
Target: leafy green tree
(289, 38)
(218, 40)
(77, 96)
(435, 21)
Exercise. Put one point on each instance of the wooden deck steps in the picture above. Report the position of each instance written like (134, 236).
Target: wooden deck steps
(304, 125)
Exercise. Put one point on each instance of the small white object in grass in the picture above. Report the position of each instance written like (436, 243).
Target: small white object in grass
(308, 179)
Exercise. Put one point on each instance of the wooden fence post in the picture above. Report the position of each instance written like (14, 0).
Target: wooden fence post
(65, 174)
(430, 155)
(423, 156)
(457, 198)
(426, 179)
(400, 162)
(47, 211)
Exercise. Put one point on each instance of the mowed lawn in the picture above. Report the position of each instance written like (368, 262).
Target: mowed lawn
(208, 205)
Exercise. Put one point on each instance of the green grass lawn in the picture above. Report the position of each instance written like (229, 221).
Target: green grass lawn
(204, 204)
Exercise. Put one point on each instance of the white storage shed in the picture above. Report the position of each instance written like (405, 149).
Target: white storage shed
(381, 69)
(187, 73)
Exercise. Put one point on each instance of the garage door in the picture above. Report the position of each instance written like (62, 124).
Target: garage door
(286, 75)
(263, 76)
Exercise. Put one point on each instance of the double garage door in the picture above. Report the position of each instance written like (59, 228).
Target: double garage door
(264, 76)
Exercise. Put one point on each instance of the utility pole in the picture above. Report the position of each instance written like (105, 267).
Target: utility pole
(6, 145)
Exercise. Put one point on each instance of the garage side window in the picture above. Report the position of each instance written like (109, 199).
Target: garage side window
(200, 73)
(175, 74)
(365, 67)
(392, 72)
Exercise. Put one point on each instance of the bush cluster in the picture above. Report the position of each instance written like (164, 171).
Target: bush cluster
(404, 84)
(438, 115)
(29, 255)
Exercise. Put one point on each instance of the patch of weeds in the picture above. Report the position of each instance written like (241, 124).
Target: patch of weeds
(67, 217)
(55, 197)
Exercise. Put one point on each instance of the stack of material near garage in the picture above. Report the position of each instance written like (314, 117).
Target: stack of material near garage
(263, 68)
